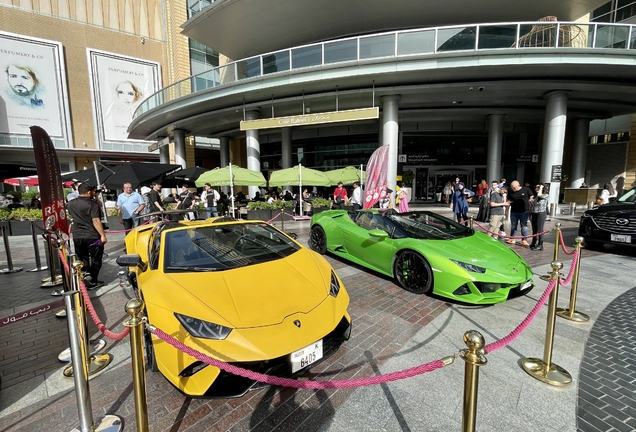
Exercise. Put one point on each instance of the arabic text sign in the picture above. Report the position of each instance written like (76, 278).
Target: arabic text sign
(19, 316)
(311, 119)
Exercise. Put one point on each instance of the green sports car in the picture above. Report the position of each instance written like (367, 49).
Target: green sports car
(425, 253)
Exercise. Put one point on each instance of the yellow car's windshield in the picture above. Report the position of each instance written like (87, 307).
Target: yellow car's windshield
(223, 247)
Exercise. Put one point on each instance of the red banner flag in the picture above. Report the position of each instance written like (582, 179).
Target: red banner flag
(375, 187)
(51, 193)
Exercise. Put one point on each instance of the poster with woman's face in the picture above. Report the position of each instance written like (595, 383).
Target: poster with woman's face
(31, 86)
(119, 85)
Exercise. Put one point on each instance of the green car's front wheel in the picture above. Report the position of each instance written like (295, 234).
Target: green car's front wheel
(413, 272)
(318, 239)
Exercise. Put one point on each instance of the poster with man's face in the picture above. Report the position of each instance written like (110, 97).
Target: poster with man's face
(31, 86)
(119, 84)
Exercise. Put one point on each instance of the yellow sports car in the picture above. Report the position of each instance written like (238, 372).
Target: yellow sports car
(242, 292)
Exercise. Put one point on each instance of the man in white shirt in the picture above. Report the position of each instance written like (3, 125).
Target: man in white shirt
(356, 197)
(210, 197)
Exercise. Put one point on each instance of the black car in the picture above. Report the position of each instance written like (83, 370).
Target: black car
(613, 223)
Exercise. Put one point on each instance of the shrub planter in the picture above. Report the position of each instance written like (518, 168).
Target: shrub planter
(263, 215)
(21, 227)
(7, 226)
(318, 210)
(113, 223)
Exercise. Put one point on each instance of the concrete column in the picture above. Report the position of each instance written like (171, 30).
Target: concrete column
(164, 154)
(579, 152)
(179, 148)
(253, 148)
(380, 131)
(553, 140)
(224, 143)
(286, 143)
(390, 133)
(495, 146)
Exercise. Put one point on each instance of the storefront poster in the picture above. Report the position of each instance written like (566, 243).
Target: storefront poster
(119, 85)
(32, 86)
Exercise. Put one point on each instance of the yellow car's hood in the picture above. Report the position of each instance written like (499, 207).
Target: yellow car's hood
(258, 295)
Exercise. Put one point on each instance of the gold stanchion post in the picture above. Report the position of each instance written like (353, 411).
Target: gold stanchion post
(474, 357)
(134, 307)
(282, 220)
(557, 239)
(96, 362)
(471, 222)
(544, 370)
(570, 313)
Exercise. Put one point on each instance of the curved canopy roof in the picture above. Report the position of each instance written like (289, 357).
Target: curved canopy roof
(243, 28)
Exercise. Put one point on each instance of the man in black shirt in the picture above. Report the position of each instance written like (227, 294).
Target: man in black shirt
(185, 200)
(154, 198)
(89, 237)
(519, 198)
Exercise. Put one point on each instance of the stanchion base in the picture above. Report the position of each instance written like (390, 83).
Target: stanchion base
(38, 269)
(96, 346)
(576, 316)
(12, 270)
(98, 362)
(110, 423)
(554, 375)
(48, 282)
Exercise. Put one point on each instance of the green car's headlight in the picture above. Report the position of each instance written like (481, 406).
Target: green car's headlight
(203, 329)
(469, 267)
(334, 286)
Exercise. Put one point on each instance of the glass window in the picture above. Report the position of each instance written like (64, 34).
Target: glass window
(377, 46)
(276, 62)
(306, 56)
(341, 51)
(419, 42)
(611, 36)
(456, 39)
(497, 36)
(249, 68)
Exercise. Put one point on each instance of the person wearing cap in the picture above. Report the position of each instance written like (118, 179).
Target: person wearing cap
(154, 198)
(88, 233)
(339, 197)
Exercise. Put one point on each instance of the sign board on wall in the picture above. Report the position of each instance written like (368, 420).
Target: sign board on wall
(311, 119)
(32, 87)
(118, 85)
(555, 174)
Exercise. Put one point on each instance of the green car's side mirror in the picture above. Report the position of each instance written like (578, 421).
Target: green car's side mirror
(378, 233)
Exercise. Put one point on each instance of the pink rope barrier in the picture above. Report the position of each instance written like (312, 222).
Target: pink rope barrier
(568, 279)
(563, 244)
(289, 382)
(507, 340)
(102, 328)
(507, 236)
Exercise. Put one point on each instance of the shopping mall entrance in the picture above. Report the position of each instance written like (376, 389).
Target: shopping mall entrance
(430, 181)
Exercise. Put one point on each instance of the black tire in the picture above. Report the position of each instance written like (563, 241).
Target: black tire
(318, 239)
(413, 272)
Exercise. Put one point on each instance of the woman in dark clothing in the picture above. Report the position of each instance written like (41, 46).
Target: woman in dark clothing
(538, 209)
(459, 202)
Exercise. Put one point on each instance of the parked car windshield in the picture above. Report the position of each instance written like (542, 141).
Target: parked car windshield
(629, 197)
(430, 226)
(224, 247)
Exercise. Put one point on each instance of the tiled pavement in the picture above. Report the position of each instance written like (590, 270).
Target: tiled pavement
(393, 330)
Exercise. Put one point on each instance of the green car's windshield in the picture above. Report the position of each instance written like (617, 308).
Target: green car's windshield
(223, 247)
(430, 226)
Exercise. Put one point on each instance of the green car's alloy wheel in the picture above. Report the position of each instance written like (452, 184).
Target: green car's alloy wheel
(413, 272)
(318, 240)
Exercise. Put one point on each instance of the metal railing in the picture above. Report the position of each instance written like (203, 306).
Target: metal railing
(404, 44)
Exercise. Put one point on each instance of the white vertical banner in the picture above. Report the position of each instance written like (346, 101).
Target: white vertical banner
(32, 86)
(118, 86)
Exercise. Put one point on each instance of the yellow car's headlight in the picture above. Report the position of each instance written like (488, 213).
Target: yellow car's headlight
(334, 286)
(203, 329)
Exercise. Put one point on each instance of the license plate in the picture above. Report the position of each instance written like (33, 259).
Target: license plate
(621, 238)
(304, 357)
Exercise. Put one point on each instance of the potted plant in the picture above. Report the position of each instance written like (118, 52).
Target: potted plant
(259, 210)
(287, 210)
(407, 182)
(320, 204)
(21, 220)
(113, 220)
(5, 216)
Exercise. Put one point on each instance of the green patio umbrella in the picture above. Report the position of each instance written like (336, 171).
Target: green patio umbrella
(231, 176)
(299, 176)
(346, 175)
